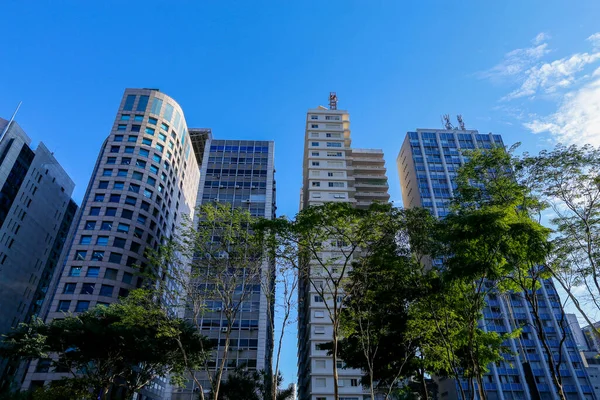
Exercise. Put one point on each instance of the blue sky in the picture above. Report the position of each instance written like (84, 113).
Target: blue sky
(528, 70)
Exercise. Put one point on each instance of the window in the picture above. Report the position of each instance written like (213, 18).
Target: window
(151, 181)
(110, 212)
(129, 150)
(110, 273)
(318, 299)
(95, 211)
(140, 163)
(106, 290)
(315, 154)
(63, 305)
(135, 128)
(87, 288)
(314, 126)
(154, 169)
(315, 163)
(106, 226)
(144, 152)
(119, 185)
(149, 131)
(129, 102)
(162, 136)
(118, 138)
(121, 127)
(168, 112)
(319, 330)
(123, 228)
(334, 144)
(147, 142)
(314, 117)
(147, 193)
(142, 219)
(111, 160)
(97, 255)
(69, 288)
(114, 198)
(159, 147)
(80, 255)
(145, 206)
(75, 271)
(354, 382)
(336, 184)
(320, 382)
(115, 258)
(142, 104)
(119, 242)
(334, 154)
(122, 172)
(115, 149)
(127, 214)
(93, 272)
(82, 306)
(102, 241)
(137, 175)
(127, 277)
(99, 197)
(103, 185)
(164, 127)
(86, 239)
(123, 292)
(125, 117)
(131, 138)
(152, 121)
(107, 172)
(130, 200)
(319, 314)
(314, 144)
(316, 184)
(156, 106)
(138, 118)
(138, 233)
(89, 225)
(156, 158)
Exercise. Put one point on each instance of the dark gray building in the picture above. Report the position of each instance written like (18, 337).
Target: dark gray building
(36, 212)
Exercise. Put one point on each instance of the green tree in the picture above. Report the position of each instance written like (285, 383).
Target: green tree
(139, 342)
(244, 384)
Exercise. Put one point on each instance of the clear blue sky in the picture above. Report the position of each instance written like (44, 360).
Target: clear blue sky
(251, 69)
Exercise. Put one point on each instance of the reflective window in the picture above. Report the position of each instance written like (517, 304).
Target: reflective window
(107, 172)
(154, 169)
(125, 117)
(159, 147)
(162, 136)
(127, 214)
(86, 239)
(130, 200)
(134, 188)
(119, 185)
(119, 242)
(102, 241)
(152, 121)
(156, 106)
(147, 142)
(89, 225)
(87, 288)
(147, 193)
(64, 305)
(125, 161)
(110, 273)
(151, 181)
(75, 271)
(138, 118)
(129, 102)
(114, 149)
(111, 212)
(106, 226)
(168, 112)
(118, 138)
(149, 131)
(144, 152)
(129, 149)
(95, 211)
(123, 228)
(82, 306)
(69, 288)
(122, 172)
(135, 128)
(114, 198)
(140, 163)
(121, 127)
(111, 160)
(137, 175)
(106, 290)
(156, 158)
(93, 271)
(142, 104)
(127, 277)
(115, 258)
(132, 138)
(164, 127)
(97, 255)
(80, 255)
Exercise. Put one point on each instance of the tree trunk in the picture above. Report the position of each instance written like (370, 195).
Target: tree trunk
(335, 371)
(424, 385)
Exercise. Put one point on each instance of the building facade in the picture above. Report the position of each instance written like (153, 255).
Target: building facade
(427, 166)
(240, 173)
(145, 180)
(332, 172)
(36, 212)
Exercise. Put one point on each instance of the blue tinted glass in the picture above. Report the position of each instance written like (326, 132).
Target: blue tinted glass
(177, 121)
(168, 112)
(156, 106)
(129, 102)
(142, 104)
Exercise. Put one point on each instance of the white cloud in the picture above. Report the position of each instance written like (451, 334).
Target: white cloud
(519, 60)
(595, 40)
(577, 119)
(540, 38)
(549, 77)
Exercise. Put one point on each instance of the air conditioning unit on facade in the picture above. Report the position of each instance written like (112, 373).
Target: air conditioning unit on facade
(224, 329)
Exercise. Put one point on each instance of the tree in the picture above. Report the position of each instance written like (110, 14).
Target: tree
(214, 265)
(140, 342)
(244, 384)
(321, 243)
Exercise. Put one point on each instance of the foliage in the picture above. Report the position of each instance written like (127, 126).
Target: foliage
(244, 384)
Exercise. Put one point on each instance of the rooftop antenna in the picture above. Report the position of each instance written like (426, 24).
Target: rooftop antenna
(461, 123)
(332, 101)
(11, 121)
(446, 122)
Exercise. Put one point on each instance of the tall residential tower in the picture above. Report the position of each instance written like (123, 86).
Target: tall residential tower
(333, 172)
(427, 166)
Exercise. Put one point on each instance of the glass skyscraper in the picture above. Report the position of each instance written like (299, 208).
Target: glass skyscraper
(427, 166)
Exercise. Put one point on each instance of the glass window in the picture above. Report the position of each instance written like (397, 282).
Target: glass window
(149, 131)
(135, 128)
(119, 242)
(75, 271)
(142, 104)
(140, 163)
(130, 200)
(124, 228)
(125, 117)
(123, 292)
(127, 214)
(93, 272)
(86, 239)
(129, 102)
(110, 273)
(142, 219)
(115, 258)
(87, 288)
(156, 158)
(121, 127)
(127, 277)
(162, 136)
(102, 241)
(95, 211)
(80, 255)
(132, 138)
(156, 106)
(145, 206)
(106, 290)
(168, 112)
(69, 288)
(106, 226)
(138, 118)
(164, 127)
(107, 172)
(159, 147)
(114, 198)
(89, 225)
(137, 175)
(119, 185)
(97, 255)
(154, 169)
(99, 197)
(138, 233)
(129, 149)
(151, 181)
(82, 306)
(131, 261)
(147, 193)
(144, 152)
(134, 188)
(152, 121)
(111, 160)
(63, 305)
(110, 212)
(103, 185)
(122, 172)
(125, 160)
(118, 138)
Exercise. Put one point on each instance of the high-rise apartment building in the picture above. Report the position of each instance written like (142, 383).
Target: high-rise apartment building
(144, 182)
(427, 166)
(36, 212)
(240, 173)
(333, 171)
